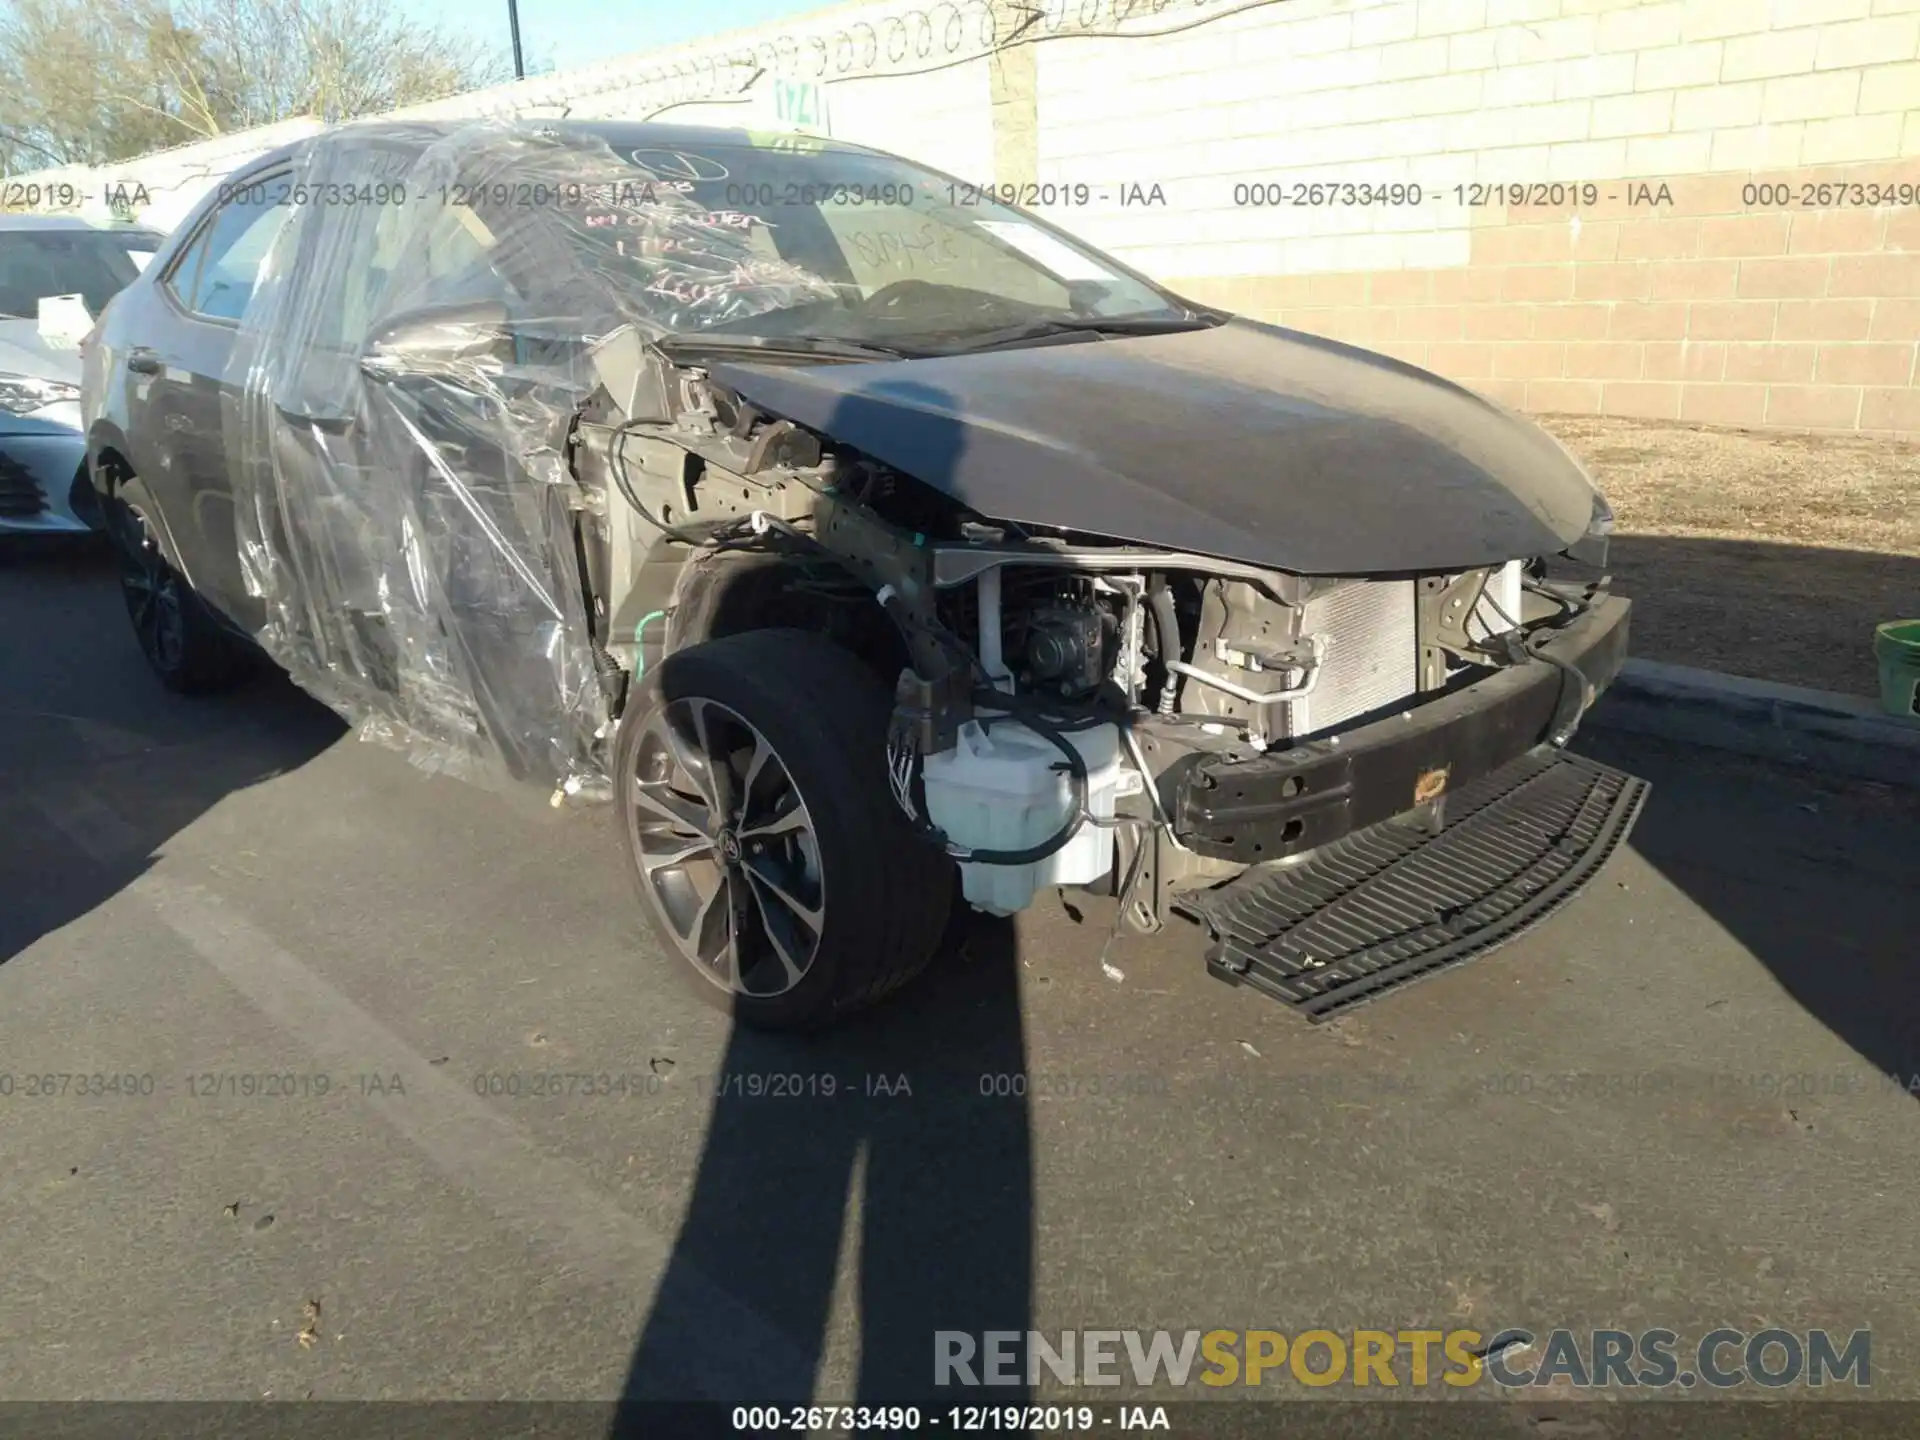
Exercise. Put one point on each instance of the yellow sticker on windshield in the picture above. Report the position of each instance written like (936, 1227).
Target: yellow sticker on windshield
(474, 225)
(791, 141)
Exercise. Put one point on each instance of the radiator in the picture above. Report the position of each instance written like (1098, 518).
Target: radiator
(1373, 660)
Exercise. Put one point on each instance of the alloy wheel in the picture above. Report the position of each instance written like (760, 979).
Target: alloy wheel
(727, 850)
(155, 602)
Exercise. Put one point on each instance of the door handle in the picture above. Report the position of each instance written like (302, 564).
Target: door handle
(143, 361)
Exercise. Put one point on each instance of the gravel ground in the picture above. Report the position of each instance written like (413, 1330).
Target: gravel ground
(1766, 555)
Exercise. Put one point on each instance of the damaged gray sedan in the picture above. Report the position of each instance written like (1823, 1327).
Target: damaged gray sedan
(865, 542)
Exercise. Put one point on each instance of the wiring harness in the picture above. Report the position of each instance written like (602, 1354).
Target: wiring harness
(1516, 648)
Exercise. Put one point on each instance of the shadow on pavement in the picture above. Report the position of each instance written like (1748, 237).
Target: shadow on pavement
(99, 764)
(939, 1163)
(1794, 614)
(945, 1172)
(1813, 876)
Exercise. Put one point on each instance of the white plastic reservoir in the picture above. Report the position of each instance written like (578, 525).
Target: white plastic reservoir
(997, 789)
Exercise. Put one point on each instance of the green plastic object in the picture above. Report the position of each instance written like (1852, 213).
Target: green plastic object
(1896, 645)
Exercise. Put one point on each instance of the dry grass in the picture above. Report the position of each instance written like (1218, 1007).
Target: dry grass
(1762, 554)
(1844, 492)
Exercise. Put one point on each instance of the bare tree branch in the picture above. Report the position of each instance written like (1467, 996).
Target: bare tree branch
(7, 137)
(93, 81)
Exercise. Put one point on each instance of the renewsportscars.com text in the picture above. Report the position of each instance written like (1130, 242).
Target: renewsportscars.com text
(1512, 1358)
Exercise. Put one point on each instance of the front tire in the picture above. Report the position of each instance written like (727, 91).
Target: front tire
(772, 862)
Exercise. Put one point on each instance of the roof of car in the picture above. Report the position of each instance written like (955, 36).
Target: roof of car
(618, 134)
(640, 133)
(67, 222)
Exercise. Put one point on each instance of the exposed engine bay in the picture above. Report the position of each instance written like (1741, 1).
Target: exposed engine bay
(1055, 690)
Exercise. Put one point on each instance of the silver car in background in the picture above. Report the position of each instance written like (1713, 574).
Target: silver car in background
(57, 274)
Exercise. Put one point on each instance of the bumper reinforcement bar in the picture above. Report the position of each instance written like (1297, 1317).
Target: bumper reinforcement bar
(1396, 902)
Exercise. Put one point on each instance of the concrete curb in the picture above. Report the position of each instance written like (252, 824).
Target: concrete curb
(1845, 734)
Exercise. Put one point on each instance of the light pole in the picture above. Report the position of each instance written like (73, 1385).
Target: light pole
(513, 24)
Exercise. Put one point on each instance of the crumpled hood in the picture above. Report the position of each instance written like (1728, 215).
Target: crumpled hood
(1243, 441)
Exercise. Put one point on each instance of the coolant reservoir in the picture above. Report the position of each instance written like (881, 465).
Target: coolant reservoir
(997, 789)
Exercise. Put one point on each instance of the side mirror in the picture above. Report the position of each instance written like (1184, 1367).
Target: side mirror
(435, 337)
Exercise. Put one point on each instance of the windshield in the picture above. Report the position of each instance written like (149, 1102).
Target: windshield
(93, 264)
(794, 240)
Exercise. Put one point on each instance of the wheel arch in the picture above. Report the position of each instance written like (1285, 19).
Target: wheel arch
(715, 594)
(107, 451)
(114, 479)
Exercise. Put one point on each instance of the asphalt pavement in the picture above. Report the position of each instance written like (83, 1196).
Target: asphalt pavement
(375, 1089)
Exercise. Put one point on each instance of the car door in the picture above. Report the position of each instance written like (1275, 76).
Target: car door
(184, 390)
(495, 603)
(322, 516)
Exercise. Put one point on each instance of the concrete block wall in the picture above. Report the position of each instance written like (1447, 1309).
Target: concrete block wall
(1729, 264)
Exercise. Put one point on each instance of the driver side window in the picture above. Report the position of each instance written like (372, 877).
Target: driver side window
(216, 275)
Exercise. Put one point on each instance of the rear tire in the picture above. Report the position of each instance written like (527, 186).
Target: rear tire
(191, 652)
(772, 863)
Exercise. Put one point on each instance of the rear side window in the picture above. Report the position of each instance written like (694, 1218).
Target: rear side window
(216, 275)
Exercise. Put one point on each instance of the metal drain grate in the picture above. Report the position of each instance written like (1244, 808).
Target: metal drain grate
(1394, 902)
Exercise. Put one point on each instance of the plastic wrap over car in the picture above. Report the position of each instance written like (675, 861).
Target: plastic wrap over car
(413, 354)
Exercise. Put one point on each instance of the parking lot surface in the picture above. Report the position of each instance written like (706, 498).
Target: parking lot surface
(375, 1089)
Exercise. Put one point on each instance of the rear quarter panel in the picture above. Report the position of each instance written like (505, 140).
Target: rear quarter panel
(113, 445)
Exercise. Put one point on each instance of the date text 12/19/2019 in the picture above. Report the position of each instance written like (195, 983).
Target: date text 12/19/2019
(959, 1419)
(1555, 195)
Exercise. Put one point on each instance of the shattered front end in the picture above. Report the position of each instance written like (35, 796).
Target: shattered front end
(1351, 784)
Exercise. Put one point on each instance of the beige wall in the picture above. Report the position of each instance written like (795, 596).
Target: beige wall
(1717, 307)
(1710, 311)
